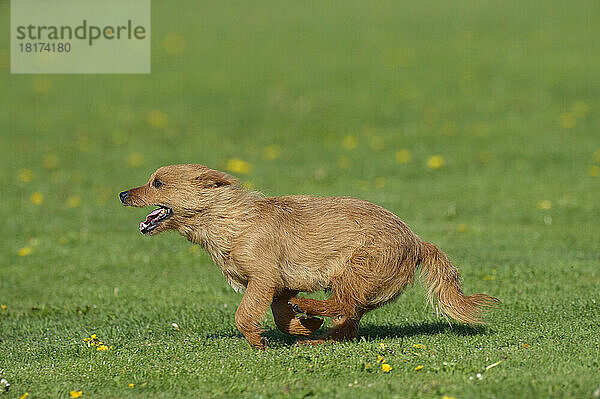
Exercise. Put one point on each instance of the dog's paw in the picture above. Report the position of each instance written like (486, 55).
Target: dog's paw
(295, 307)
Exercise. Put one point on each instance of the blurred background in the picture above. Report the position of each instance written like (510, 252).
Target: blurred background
(462, 117)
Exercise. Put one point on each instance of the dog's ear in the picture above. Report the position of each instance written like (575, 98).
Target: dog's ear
(214, 179)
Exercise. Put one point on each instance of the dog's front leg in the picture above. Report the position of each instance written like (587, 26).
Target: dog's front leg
(252, 309)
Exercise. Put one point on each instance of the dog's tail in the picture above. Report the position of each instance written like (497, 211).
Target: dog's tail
(443, 282)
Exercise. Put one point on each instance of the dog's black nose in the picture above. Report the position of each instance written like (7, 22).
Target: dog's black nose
(124, 195)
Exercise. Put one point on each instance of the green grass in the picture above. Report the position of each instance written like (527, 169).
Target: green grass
(489, 86)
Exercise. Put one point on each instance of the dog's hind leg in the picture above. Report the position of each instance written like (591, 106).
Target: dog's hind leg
(286, 319)
(314, 307)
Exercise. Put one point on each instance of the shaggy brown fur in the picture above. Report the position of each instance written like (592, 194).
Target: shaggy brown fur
(274, 248)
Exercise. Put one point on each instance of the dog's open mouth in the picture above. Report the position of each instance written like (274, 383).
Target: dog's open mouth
(155, 218)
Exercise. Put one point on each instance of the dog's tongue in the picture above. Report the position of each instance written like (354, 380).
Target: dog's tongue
(153, 215)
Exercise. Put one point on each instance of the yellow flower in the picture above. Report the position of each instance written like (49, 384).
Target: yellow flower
(419, 346)
(386, 368)
(403, 156)
(50, 161)
(271, 152)
(237, 165)
(136, 159)
(42, 84)
(382, 346)
(567, 120)
(544, 205)
(157, 118)
(435, 162)
(93, 336)
(462, 228)
(484, 156)
(489, 277)
(580, 109)
(418, 368)
(36, 198)
(74, 201)
(3, 307)
(75, 394)
(26, 394)
(380, 359)
(377, 143)
(25, 251)
(344, 162)
(130, 385)
(449, 128)
(380, 182)
(25, 175)
(594, 170)
(102, 348)
(363, 185)
(350, 142)
(448, 397)
(174, 43)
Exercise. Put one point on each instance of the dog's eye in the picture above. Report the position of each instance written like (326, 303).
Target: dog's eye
(157, 183)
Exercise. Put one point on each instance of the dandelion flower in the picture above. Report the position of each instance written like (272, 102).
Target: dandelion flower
(75, 394)
(435, 162)
(25, 251)
(50, 161)
(237, 165)
(403, 156)
(449, 128)
(448, 397)
(386, 368)
(344, 162)
(544, 205)
(380, 182)
(419, 346)
(3, 307)
(102, 348)
(377, 143)
(174, 43)
(382, 346)
(567, 120)
(594, 170)
(349, 142)
(136, 159)
(36, 198)
(157, 118)
(419, 368)
(74, 201)
(41, 85)
(24, 396)
(25, 175)
(462, 228)
(380, 359)
(271, 152)
(484, 156)
(580, 109)
(130, 385)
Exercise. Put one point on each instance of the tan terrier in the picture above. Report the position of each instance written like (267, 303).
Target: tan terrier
(273, 248)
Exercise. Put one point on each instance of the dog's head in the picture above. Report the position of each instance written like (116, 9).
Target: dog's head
(180, 192)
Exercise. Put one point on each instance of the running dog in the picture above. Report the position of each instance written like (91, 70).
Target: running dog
(272, 248)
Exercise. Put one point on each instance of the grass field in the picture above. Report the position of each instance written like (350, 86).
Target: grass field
(475, 122)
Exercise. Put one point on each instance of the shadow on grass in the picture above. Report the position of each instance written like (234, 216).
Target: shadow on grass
(372, 332)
